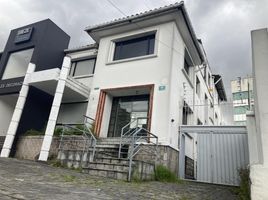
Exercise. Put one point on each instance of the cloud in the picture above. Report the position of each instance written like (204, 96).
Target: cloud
(223, 25)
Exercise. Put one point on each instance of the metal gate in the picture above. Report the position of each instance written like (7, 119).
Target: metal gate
(220, 152)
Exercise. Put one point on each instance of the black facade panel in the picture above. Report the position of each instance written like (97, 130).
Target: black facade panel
(48, 41)
(35, 113)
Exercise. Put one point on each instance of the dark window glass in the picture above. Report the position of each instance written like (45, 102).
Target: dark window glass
(197, 86)
(83, 67)
(186, 66)
(135, 47)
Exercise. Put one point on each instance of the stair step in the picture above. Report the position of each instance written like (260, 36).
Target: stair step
(122, 175)
(112, 160)
(108, 166)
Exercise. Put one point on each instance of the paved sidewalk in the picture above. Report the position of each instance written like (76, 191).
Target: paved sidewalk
(20, 179)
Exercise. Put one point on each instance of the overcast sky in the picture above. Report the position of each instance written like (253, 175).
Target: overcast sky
(223, 25)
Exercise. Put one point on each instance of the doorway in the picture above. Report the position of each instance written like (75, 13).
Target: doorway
(126, 109)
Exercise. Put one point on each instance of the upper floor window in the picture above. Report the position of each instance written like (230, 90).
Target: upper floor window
(187, 62)
(139, 46)
(197, 86)
(82, 67)
(17, 64)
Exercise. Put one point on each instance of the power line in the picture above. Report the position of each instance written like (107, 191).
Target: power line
(117, 8)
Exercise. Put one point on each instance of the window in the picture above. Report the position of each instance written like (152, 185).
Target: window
(186, 67)
(82, 67)
(209, 80)
(187, 62)
(17, 64)
(197, 86)
(140, 46)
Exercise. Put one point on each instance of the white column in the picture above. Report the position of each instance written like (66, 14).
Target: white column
(259, 171)
(55, 110)
(12, 129)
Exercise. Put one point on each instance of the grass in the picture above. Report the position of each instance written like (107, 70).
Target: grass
(163, 174)
(244, 188)
(68, 178)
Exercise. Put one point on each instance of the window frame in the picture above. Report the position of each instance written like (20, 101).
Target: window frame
(110, 59)
(72, 71)
(147, 39)
(8, 57)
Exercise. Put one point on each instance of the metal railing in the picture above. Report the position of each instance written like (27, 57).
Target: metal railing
(140, 137)
(134, 136)
(84, 131)
(127, 132)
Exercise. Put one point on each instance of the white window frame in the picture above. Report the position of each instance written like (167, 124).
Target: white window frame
(110, 59)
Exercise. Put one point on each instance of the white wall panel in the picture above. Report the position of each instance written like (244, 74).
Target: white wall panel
(220, 155)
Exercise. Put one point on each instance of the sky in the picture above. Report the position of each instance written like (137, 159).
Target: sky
(223, 25)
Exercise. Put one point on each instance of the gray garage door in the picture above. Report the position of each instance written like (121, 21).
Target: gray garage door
(220, 152)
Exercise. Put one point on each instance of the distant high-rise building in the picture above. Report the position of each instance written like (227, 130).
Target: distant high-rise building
(242, 91)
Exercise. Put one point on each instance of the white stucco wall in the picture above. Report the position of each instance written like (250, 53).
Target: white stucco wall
(152, 70)
(259, 171)
(7, 106)
(72, 113)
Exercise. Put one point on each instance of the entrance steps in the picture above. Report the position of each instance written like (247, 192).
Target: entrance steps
(106, 162)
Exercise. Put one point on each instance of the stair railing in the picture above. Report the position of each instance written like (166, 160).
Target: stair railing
(90, 140)
(139, 137)
(127, 132)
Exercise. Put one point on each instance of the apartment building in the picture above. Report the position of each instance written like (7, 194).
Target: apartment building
(242, 91)
(148, 67)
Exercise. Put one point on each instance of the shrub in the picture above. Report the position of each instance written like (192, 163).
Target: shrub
(33, 132)
(164, 174)
(244, 188)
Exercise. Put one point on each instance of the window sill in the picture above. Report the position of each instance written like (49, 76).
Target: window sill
(188, 78)
(83, 76)
(131, 59)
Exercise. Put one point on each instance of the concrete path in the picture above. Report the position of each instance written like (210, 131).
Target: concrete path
(20, 179)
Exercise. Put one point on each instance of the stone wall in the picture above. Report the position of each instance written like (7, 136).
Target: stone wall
(28, 147)
(166, 156)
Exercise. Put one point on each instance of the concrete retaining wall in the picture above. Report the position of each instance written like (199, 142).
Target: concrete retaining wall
(166, 156)
(28, 147)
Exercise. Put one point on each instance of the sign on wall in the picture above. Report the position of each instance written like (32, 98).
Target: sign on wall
(23, 35)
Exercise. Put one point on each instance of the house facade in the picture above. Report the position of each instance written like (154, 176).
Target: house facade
(149, 68)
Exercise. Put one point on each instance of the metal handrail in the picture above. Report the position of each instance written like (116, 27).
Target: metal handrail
(88, 136)
(135, 146)
(127, 134)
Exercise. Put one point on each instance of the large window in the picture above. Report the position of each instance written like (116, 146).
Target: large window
(82, 67)
(17, 64)
(140, 46)
(188, 64)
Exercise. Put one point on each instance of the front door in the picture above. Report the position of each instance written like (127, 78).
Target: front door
(126, 109)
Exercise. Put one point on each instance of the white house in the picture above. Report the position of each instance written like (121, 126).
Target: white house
(149, 66)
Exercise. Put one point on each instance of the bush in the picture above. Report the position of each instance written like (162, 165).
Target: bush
(33, 132)
(244, 188)
(163, 174)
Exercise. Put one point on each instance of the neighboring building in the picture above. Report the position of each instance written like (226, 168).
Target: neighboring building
(148, 66)
(242, 91)
(257, 119)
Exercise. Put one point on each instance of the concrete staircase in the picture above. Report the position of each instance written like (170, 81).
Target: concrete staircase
(106, 162)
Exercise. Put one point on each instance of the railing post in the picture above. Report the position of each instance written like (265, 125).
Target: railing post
(130, 158)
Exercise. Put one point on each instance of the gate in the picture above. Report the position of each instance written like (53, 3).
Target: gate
(220, 152)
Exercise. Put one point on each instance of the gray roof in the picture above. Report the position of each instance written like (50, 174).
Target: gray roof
(136, 16)
(81, 48)
(161, 10)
